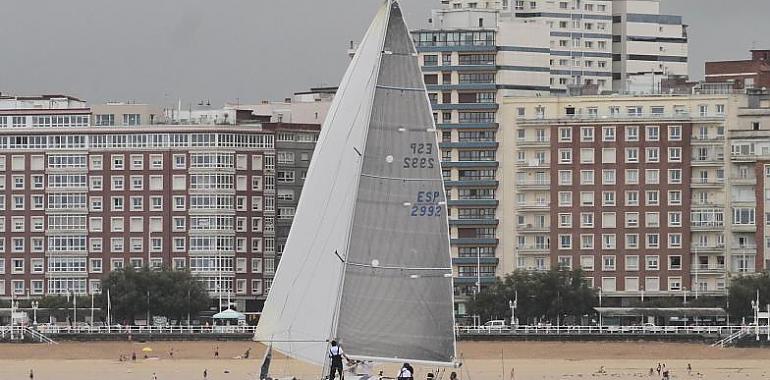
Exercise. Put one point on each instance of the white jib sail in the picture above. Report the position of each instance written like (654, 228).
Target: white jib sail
(298, 316)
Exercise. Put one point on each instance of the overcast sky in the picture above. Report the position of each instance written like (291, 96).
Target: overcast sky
(226, 50)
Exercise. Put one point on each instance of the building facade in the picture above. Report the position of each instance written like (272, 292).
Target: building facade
(745, 74)
(294, 145)
(81, 200)
(653, 195)
(592, 46)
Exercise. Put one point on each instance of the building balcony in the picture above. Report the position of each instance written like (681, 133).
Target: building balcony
(469, 164)
(464, 106)
(737, 157)
(708, 204)
(532, 228)
(474, 260)
(82, 253)
(534, 249)
(473, 222)
(472, 183)
(707, 140)
(80, 210)
(744, 249)
(707, 226)
(469, 145)
(711, 160)
(620, 117)
(707, 182)
(533, 185)
(474, 241)
(749, 181)
(471, 278)
(533, 164)
(708, 269)
(533, 206)
(479, 67)
(468, 125)
(472, 202)
(461, 86)
(533, 143)
(716, 248)
(744, 228)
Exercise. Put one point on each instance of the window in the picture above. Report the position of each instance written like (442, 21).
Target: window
(608, 134)
(675, 133)
(608, 198)
(674, 241)
(586, 177)
(565, 241)
(675, 219)
(117, 162)
(609, 155)
(586, 134)
(652, 198)
(632, 198)
(743, 216)
(565, 177)
(632, 133)
(586, 156)
(586, 220)
(632, 155)
(675, 262)
(565, 198)
(586, 198)
(653, 154)
(652, 284)
(653, 133)
(565, 156)
(632, 263)
(652, 176)
(608, 262)
(632, 241)
(565, 134)
(608, 177)
(632, 176)
(652, 241)
(652, 262)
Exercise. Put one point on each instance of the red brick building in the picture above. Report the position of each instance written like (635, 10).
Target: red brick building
(753, 73)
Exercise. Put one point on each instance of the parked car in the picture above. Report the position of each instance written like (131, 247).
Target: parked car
(495, 325)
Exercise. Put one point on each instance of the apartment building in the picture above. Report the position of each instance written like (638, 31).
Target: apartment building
(294, 145)
(749, 177)
(80, 200)
(594, 46)
(634, 190)
(742, 74)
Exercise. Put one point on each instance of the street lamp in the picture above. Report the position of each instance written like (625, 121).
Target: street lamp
(513, 304)
(35, 305)
(755, 307)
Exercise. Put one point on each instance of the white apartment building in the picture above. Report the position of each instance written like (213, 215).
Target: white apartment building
(597, 45)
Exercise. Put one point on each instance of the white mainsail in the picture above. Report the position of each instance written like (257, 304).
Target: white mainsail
(367, 260)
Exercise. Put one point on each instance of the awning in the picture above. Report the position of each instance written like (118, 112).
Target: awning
(229, 314)
(661, 311)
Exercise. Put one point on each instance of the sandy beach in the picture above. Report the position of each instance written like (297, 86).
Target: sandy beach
(481, 361)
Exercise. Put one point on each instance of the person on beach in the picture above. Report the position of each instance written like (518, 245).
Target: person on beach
(453, 376)
(658, 369)
(31, 375)
(405, 373)
(651, 371)
(133, 356)
(336, 354)
(205, 373)
(689, 369)
(154, 376)
(247, 353)
(216, 352)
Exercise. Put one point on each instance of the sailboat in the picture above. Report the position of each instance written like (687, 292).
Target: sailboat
(367, 261)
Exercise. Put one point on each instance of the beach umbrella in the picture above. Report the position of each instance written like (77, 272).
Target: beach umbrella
(147, 349)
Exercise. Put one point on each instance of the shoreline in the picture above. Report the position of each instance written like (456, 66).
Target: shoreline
(481, 361)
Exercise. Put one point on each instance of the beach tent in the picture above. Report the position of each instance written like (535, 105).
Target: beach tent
(229, 314)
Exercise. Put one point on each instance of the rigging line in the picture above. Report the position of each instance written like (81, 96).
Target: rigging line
(401, 179)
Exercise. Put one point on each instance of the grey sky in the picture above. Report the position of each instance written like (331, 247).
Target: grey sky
(161, 50)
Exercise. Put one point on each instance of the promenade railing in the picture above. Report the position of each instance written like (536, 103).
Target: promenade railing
(597, 330)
